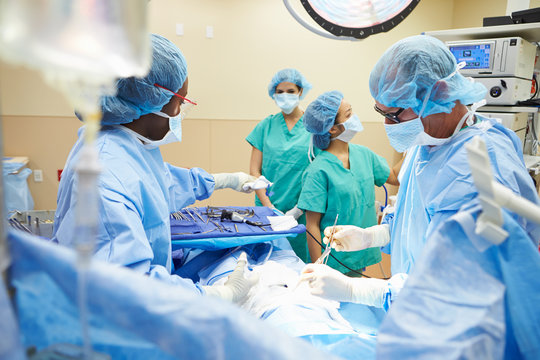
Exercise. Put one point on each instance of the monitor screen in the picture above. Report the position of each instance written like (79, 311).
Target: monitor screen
(476, 56)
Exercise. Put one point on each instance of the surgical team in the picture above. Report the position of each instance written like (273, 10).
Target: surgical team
(317, 174)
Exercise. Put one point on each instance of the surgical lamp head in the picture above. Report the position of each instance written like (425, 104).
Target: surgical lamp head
(414, 67)
(320, 116)
(139, 96)
(289, 75)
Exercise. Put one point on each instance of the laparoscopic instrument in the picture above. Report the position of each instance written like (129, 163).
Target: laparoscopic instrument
(236, 217)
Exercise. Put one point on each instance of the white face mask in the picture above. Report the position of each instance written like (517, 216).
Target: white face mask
(173, 135)
(287, 102)
(352, 127)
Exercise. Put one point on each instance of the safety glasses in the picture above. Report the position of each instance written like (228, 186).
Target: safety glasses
(175, 94)
(390, 116)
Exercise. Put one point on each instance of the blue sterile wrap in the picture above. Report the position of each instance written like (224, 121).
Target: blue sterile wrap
(191, 233)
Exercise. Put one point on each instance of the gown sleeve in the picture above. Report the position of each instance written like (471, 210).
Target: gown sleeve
(189, 185)
(131, 248)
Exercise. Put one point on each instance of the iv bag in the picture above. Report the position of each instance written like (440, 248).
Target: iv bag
(93, 41)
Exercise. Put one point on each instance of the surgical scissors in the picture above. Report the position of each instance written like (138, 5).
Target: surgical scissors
(323, 259)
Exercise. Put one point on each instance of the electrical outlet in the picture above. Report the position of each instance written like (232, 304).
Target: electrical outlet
(38, 175)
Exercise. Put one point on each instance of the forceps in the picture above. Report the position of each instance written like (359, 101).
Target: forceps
(323, 259)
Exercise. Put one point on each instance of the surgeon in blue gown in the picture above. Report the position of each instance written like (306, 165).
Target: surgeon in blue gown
(137, 189)
(418, 88)
(468, 298)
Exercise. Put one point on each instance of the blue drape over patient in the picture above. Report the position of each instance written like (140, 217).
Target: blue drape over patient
(133, 316)
(467, 298)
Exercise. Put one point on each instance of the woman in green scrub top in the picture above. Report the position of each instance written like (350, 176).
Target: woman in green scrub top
(280, 144)
(341, 180)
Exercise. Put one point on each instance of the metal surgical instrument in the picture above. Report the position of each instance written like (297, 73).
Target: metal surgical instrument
(323, 259)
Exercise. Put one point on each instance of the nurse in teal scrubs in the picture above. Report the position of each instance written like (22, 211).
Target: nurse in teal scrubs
(342, 178)
(280, 144)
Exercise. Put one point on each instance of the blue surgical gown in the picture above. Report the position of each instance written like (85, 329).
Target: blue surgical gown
(138, 191)
(435, 182)
(467, 298)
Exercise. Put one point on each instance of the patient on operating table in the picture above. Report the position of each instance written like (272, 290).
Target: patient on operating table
(280, 299)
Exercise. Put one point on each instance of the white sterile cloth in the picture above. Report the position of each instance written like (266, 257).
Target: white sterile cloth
(281, 223)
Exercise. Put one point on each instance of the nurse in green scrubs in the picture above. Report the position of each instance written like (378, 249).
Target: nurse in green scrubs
(341, 180)
(280, 144)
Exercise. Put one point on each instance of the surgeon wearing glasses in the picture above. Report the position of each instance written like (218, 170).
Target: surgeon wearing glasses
(467, 295)
(138, 190)
(418, 88)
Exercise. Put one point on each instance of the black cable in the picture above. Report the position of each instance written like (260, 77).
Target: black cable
(342, 264)
(532, 101)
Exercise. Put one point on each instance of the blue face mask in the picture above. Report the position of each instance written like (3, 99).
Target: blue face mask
(405, 135)
(402, 135)
(287, 102)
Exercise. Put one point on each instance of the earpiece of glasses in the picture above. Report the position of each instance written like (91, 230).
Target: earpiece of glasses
(390, 116)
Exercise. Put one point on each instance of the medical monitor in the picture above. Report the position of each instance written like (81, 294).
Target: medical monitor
(500, 57)
(475, 56)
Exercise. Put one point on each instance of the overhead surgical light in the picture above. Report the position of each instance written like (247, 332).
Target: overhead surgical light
(353, 19)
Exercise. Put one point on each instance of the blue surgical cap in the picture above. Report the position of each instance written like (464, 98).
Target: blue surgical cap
(292, 76)
(411, 67)
(320, 116)
(138, 96)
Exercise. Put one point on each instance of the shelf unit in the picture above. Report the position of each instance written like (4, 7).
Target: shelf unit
(529, 32)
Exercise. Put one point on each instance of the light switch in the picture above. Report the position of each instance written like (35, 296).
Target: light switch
(209, 32)
(179, 29)
(38, 175)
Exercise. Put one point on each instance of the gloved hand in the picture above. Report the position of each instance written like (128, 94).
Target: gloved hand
(295, 212)
(237, 286)
(260, 183)
(354, 238)
(333, 285)
(233, 181)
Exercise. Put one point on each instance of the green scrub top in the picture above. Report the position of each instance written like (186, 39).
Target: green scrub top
(328, 188)
(285, 158)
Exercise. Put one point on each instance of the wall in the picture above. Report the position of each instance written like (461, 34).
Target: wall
(228, 76)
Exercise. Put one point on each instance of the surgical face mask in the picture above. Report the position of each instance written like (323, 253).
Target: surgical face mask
(352, 127)
(173, 135)
(287, 102)
(406, 134)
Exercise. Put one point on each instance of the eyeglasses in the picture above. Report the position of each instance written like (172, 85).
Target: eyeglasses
(175, 94)
(390, 116)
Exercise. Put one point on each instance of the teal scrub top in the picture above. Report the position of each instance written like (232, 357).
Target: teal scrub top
(328, 188)
(285, 158)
